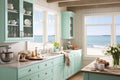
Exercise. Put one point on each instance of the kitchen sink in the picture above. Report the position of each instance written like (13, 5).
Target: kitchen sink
(48, 55)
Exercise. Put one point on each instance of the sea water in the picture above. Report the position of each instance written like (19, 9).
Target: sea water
(100, 40)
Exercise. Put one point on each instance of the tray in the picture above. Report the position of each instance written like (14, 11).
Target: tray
(35, 58)
(23, 60)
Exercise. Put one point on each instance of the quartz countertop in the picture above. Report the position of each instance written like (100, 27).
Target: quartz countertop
(108, 70)
(17, 64)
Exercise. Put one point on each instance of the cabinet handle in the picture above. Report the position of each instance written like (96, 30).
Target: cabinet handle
(29, 70)
(45, 73)
(38, 67)
(38, 75)
(45, 64)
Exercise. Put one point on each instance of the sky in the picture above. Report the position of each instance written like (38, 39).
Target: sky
(101, 30)
(38, 30)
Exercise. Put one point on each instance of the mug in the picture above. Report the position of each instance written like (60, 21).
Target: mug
(10, 6)
(13, 22)
(101, 67)
(95, 65)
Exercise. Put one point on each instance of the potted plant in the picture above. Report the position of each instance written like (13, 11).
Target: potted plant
(56, 46)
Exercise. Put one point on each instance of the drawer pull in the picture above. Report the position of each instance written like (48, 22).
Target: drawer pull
(29, 70)
(30, 79)
(45, 73)
(38, 67)
(45, 64)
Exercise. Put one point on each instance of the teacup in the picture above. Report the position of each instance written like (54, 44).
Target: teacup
(101, 67)
(10, 6)
(13, 22)
(28, 12)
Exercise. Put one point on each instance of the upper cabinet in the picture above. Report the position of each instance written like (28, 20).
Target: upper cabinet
(16, 20)
(67, 25)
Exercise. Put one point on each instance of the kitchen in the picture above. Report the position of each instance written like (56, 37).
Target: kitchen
(79, 35)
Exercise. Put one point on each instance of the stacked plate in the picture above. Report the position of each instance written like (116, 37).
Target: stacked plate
(27, 22)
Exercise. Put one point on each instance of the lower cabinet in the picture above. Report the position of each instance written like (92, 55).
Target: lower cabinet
(75, 64)
(77, 61)
(58, 68)
(93, 76)
(52, 69)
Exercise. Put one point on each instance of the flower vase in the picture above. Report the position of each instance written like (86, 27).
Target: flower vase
(115, 61)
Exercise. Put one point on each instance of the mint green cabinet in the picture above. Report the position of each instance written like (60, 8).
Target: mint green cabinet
(69, 70)
(16, 20)
(93, 76)
(58, 68)
(67, 25)
(75, 63)
(52, 69)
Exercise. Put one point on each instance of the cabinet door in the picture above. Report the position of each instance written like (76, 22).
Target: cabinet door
(17, 23)
(13, 19)
(78, 61)
(69, 70)
(58, 72)
(67, 25)
(27, 18)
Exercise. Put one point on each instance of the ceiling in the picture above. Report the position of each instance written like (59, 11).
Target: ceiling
(80, 4)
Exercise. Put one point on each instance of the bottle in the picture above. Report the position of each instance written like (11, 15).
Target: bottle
(33, 54)
(36, 51)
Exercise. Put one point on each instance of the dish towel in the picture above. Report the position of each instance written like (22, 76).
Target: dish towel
(67, 59)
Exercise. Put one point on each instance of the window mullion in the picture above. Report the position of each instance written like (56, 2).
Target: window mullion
(113, 31)
(45, 27)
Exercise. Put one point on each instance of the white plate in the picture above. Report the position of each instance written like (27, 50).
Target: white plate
(27, 22)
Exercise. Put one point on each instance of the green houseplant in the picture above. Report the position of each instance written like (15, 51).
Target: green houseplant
(56, 46)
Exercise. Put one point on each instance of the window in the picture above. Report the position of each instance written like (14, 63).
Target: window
(118, 29)
(101, 30)
(51, 28)
(38, 29)
(45, 25)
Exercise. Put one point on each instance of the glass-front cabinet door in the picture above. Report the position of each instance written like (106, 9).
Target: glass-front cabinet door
(16, 21)
(13, 19)
(28, 19)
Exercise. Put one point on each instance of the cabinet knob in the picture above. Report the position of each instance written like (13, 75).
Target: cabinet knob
(30, 79)
(45, 73)
(38, 67)
(45, 64)
(29, 70)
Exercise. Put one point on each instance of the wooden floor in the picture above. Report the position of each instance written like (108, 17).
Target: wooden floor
(78, 76)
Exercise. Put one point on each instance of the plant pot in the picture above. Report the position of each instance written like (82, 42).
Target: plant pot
(56, 49)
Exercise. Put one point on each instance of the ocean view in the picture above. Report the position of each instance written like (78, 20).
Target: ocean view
(39, 38)
(100, 40)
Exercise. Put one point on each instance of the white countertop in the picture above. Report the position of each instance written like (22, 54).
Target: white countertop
(17, 64)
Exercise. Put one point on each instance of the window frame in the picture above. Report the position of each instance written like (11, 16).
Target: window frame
(113, 30)
(45, 23)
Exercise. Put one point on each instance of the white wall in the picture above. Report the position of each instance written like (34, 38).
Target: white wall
(79, 27)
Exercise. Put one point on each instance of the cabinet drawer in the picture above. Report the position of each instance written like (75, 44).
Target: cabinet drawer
(46, 64)
(31, 77)
(59, 60)
(27, 70)
(46, 73)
